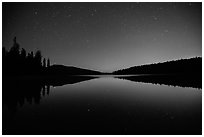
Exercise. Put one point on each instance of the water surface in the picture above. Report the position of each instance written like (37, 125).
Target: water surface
(104, 105)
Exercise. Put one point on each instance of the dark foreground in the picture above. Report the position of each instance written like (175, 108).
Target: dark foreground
(86, 105)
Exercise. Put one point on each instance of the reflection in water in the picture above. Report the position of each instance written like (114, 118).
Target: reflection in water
(100, 106)
(17, 92)
(60, 81)
(193, 81)
(20, 90)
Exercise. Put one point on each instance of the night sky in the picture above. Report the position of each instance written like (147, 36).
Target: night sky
(105, 36)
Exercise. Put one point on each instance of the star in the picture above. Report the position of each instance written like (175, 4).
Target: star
(155, 18)
(92, 14)
(35, 11)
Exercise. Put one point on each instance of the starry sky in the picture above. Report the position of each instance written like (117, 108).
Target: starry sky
(105, 36)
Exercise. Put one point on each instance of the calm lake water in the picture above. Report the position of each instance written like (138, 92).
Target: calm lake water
(104, 105)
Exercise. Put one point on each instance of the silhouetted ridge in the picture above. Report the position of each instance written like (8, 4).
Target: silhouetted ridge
(184, 73)
(69, 70)
(183, 66)
(19, 62)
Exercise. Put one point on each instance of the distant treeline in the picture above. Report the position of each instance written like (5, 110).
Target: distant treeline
(62, 70)
(182, 66)
(19, 62)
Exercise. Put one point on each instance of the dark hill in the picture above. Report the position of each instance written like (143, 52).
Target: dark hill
(69, 70)
(192, 66)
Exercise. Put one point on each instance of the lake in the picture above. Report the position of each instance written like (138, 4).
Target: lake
(104, 105)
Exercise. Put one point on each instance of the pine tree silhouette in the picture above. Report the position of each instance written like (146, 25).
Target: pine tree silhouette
(16, 62)
(44, 63)
(48, 62)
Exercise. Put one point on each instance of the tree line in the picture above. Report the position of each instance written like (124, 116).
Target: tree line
(182, 66)
(17, 61)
